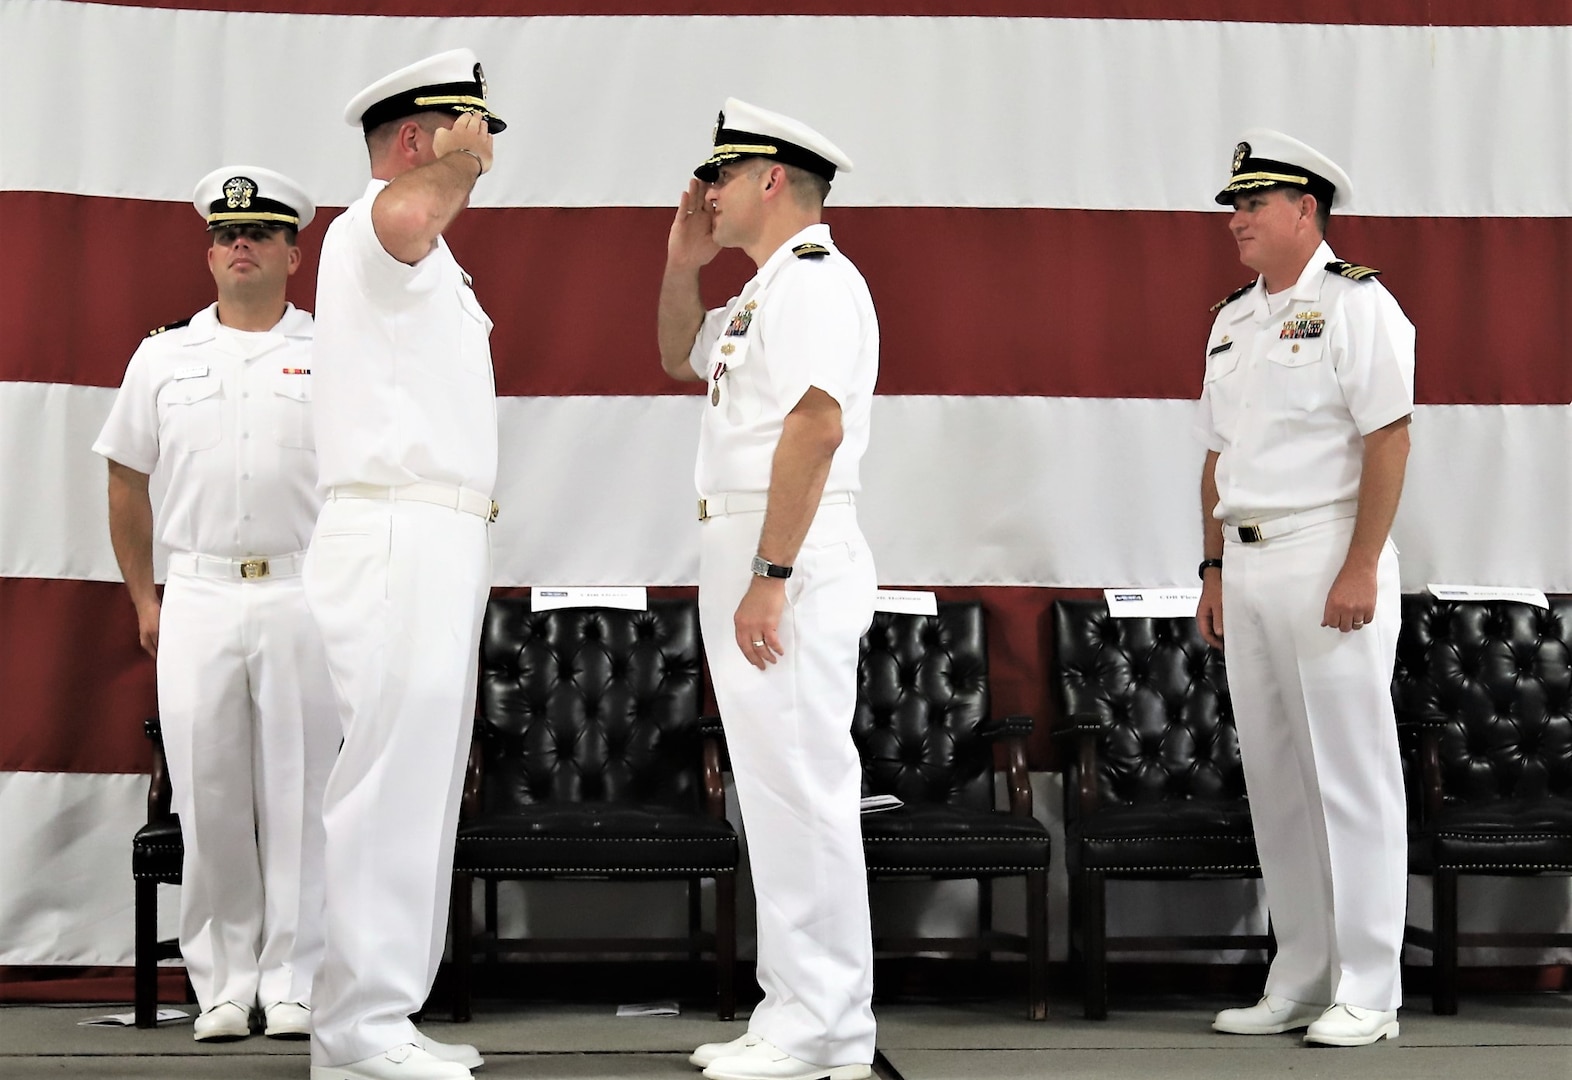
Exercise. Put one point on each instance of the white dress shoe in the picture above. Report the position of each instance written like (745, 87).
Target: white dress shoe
(287, 1020)
(1269, 1016)
(1349, 1025)
(459, 1053)
(223, 1022)
(406, 1062)
(765, 1061)
(709, 1053)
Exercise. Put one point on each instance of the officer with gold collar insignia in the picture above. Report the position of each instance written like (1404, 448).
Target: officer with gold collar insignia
(786, 580)
(1304, 411)
(219, 406)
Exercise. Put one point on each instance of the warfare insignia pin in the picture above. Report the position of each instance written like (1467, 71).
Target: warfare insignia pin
(1241, 152)
(238, 191)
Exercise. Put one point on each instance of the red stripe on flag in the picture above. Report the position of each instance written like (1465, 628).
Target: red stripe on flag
(1386, 13)
(1072, 303)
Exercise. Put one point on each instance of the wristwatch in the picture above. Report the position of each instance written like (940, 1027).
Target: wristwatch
(1207, 564)
(764, 568)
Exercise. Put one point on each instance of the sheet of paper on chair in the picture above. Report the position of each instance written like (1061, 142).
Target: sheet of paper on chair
(552, 597)
(129, 1019)
(906, 602)
(649, 1008)
(872, 804)
(1490, 592)
(1151, 603)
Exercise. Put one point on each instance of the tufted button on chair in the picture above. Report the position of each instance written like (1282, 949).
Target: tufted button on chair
(157, 854)
(1153, 785)
(590, 761)
(925, 735)
(1484, 707)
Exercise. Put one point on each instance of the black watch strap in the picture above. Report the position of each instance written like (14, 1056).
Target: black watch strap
(764, 568)
(1207, 564)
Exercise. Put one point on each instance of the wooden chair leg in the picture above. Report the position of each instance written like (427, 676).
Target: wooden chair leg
(1094, 933)
(984, 916)
(145, 979)
(1443, 990)
(463, 923)
(726, 946)
(491, 930)
(695, 915)
(1037, 943)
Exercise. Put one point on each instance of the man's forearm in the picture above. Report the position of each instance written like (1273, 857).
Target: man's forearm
(681, 314)
(1380, 487)
(798, 473)
(1211, 528)
(131, 532)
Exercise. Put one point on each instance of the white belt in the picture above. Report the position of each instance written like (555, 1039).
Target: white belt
(1289, 523)
(753, 502)
(465, 500)
(254, 568)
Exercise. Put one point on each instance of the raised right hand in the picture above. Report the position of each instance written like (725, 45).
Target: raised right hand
(691, 242)
(469, 132)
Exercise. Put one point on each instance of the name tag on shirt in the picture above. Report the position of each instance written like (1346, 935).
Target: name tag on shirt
(195, 371)
(1224, 347)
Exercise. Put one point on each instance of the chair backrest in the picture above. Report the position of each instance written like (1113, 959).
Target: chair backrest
(1497, 678)
(1164, 695)
(590, 705)
(922, 698)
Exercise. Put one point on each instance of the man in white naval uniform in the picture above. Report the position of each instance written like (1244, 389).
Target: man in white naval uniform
(786, 580)
(219, 406)
(400, 564)
(1304, 411)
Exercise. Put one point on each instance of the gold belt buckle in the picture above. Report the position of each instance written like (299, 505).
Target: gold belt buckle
(1250, 534)
(704, 513)
(493, 515)
(254, 568)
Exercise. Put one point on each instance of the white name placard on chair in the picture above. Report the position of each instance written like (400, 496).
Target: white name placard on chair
(906, 602)
(1490, 592)
(1151, 603)
(552, 597)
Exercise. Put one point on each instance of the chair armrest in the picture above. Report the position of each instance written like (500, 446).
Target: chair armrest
(1086, 729)
(1430, 770)
(158, 790)
(474, 776)
(1081, 725)
(1004, 727)
(1012, 731)
(714, 745)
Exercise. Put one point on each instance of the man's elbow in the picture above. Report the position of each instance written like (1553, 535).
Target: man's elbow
(404, 227)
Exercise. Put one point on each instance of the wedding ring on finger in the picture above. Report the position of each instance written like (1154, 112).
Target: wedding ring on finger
(758, 644)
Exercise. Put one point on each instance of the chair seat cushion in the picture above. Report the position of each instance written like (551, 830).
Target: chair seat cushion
(157, 852)
(1508, 836)
(946, 841)
(1178, 837)
(595, 840)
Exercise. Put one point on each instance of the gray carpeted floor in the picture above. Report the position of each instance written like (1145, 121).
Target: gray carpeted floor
(1494, 1038)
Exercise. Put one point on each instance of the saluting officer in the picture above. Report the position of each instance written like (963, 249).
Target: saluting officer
(1305, 408)
(400, 564)
(786, 580)
(219, 405)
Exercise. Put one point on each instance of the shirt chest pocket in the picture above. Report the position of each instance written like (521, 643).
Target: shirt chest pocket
(191, 414)
(1301, 374)
(292, 412)
(474, 334)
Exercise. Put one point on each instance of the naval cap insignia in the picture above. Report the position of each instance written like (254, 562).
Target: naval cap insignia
(238, 191)
(1241, 152)
(480, 77)
(720, 122)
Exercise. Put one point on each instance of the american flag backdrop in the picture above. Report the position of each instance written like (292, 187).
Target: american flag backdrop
(1031, 206)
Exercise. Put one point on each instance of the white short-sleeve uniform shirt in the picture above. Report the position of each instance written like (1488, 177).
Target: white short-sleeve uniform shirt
(404, 388)
(799, 323)
(1292, 388)
(224, 417)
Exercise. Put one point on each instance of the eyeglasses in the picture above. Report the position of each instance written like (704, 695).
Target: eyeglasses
(256, 234)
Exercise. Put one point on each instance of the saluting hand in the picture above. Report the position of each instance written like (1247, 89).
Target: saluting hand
(691, 243)
(469, 133)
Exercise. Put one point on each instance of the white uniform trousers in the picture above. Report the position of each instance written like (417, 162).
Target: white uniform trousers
(799, 780)
(250, 733)
(1319, 742)
(398, 591)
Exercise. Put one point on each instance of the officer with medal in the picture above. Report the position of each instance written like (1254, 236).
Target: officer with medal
(786, 580)
(1304, 411)
(399, 567)
(218, 406)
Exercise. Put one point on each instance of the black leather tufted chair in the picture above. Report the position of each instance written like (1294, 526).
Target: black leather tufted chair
(1484, 706)
(925, 734)
(157, 854)
(589, 761)
(1153, 784)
